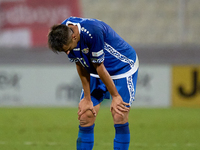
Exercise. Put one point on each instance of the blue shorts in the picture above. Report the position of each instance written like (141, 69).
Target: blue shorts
(126, 87)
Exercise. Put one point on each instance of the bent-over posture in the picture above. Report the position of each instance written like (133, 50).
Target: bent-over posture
(107, 66)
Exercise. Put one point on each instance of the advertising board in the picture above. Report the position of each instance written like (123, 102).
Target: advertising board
(59, 85)
(153, 87)
(186, 86)
(39, 86)
(26, 23)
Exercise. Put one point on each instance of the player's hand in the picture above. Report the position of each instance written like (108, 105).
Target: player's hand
(119, 106)
(85, 105)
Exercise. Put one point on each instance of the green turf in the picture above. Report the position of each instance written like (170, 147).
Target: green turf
(57, 128)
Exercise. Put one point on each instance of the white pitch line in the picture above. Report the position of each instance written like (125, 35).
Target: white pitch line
(39, 143)
(29, 143)
(2, 143)
(191, 144)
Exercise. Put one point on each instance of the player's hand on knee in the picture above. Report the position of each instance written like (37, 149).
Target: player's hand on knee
(119, 106)
(85, 105)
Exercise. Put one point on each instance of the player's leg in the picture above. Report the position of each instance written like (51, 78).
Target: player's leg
(86, 128)
(127, 89)
(122, 133)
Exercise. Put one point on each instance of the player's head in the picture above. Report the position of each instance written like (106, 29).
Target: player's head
(58, 37)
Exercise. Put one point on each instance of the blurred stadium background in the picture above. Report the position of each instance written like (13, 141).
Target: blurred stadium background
(166, 36)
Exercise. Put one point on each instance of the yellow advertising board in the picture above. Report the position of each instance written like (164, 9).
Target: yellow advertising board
(186, 86)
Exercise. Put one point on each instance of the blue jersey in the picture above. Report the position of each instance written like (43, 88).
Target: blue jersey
(100, 43)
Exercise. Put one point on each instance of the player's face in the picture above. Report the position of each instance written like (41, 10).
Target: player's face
(67, 48)
(74, 41)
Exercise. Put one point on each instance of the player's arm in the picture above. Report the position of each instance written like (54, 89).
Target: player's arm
(117, 103)
(86, 103)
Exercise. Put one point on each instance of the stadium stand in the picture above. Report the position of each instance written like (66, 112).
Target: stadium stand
(161, 31)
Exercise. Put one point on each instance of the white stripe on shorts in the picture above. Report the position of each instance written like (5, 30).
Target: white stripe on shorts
(130, 86)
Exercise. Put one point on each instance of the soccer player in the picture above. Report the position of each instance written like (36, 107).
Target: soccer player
(107, 66)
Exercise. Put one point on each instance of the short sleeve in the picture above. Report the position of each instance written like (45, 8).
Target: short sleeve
(72, 57)
(96, 45)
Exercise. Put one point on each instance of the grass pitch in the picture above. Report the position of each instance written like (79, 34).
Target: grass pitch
(57, 129)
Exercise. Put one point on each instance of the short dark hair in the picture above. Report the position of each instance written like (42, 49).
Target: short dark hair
(59, 35)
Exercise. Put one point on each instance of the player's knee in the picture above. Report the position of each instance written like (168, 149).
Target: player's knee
(120, 119)
(117, 118)
(87, 119)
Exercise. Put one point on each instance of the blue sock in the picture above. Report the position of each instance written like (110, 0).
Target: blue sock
(85, 139)
(122, 136)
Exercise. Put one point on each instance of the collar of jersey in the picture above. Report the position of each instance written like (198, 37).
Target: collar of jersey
(75, 24)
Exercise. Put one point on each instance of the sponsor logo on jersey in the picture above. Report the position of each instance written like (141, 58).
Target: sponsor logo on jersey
(76, 49)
